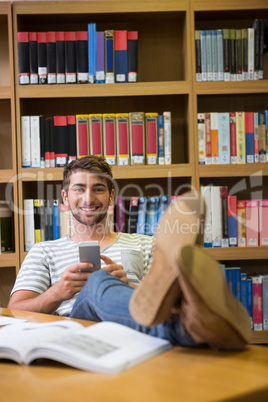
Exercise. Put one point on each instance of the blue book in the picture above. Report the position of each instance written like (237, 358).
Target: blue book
(232, 225)
(56, 220)
(151, 216)
(164, 201)
(249, 134)
(141, 222)
(224, 138)
(120, 56)
(249, 300)
(229, 278)
(92, 52)
(236, 273)
(161, 143)
(243, 289)
(109, 56)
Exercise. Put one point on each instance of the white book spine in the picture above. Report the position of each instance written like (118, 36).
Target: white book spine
(29, 239)
(25, 142)
(216, 216)
(206, 194)
(167, 137)
(224, 138)
(201, 138)
(251, 53)
(35, 142)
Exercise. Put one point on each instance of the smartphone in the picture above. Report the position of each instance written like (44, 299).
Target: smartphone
(89, 251)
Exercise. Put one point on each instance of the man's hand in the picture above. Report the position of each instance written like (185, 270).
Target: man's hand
(114, 269)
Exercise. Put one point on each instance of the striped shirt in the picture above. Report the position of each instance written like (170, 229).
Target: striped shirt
(46, 262)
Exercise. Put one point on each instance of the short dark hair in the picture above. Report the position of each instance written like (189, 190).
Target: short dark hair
(91, 163)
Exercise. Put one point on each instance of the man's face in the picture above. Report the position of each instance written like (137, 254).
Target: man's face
(88, 198)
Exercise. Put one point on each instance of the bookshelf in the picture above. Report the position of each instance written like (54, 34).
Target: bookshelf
(246, 181)
(9, 262)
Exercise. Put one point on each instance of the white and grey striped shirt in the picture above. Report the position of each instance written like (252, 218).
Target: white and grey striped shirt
(46, 262)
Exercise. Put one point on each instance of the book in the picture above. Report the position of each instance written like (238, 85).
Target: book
(6, 228)
(141, 221)
(252, 227)
(244, 54)
(241, 223)
(61, 141)
(25, 142)
(48, 209)
(60, 57)
(35, 141)
(161, 141)
(42, 141)
(82, 135)
(56, 220)
(122, 138)
(224, 138)
(42, 57)
(238, 54)
(220, 54)
(197, 37)
(262, 137)
(151, 134)
(85, 348)
(28, 220)
(224, 216)
(201, 138)
(109, 56)
(208, 158)
(216, 216)
(256, 27)
(214, 52)
(92, 53)
(95, 134)
(51, 58)
(240, 137)
(33, 57)
(71, 131)
(37, 221)
(167, 137)
(65, 220)
(249, 134)
(263, 220)
(163, 204)
(137, 138)
(232, 211)
(206, 194)
(266, 132)
(70, 57)
(23, 54)
(250, 300)
(214, 138)
(226, 57)
(151, 216)
(233, 151)
(256, 137)
(109, 138)
(100, 75)
(265, 302)
(257, 298)
(251, 53)
(132, 46)
(203, 39)
(232, 56)
(82, 56)
(133, 214)
(120, 56)
(263, 30)
(209, 55)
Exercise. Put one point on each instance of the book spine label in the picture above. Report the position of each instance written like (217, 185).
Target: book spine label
(109, 138)
(122, 140)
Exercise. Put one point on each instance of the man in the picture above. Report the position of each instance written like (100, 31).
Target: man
(183, 298)
(51, 275)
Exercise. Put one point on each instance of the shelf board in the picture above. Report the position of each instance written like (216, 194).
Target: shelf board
(223, 87)
(104, 90)
(5, 92)
(237, 170)
(221, 5)
(239, 253)
(8, 260)
(6, 175)
(98, 6)
(259, 337)
(119, 172)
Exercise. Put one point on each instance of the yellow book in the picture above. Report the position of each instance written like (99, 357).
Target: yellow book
(37, 221)
(240, 137)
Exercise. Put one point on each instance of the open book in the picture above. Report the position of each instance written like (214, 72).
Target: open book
(105, 347)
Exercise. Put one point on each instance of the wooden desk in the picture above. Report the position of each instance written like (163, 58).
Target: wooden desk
(180, 374)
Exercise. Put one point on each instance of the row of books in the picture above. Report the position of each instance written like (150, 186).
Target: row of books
(232, 137)
(252, 292)
(231, 222)
(110, 56)
(6, 228)
(230, 54)
(122, 138)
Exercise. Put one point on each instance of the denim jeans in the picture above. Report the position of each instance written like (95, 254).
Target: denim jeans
(106, 298)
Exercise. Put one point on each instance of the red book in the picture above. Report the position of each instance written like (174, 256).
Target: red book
(71, 125)
(24, 64)
(263, 222)
(122, 140)
(137, 139)
(249, 134)
(151, 137)
(95, 131)
(233, 150)
(257, 298)
(252, 227)
(82, 135)
(109, 139)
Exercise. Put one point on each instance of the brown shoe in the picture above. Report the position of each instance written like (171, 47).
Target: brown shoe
(208, 311)
(159, 291)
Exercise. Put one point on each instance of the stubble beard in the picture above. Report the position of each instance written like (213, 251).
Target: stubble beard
(97, 219)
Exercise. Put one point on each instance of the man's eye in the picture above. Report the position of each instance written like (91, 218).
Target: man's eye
(99, 190)
(78, 190)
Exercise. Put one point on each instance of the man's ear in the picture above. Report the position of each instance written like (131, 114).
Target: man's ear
(64, 197)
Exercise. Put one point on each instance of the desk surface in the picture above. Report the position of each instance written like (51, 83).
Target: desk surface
(181, 374)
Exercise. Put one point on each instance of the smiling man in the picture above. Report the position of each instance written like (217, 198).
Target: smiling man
(51, 275)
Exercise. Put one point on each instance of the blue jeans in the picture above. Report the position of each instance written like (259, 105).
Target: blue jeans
(106, 298)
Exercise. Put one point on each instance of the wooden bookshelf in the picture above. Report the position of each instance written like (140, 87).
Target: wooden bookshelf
(9, 262)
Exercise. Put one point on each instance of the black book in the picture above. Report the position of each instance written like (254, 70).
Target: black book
(23, 53)
(256, 26)
(70, 57)
(51, 142)
(60, 141)
(263, 33)
(42, 57)
(232, 54)
(245, 54)
(132, 46)
(51, 58)
(82, 57)
(71, 125)
(33, 57)
(60, 57)
(238, 54)
(198, 56)
(226, 57)
(42, 140)
(133, 215)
